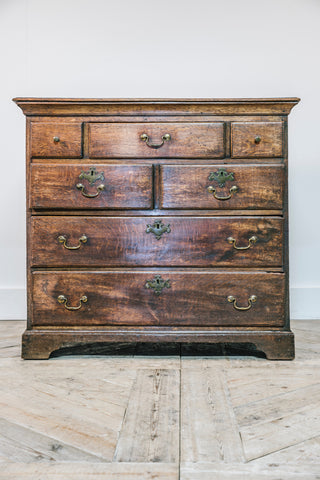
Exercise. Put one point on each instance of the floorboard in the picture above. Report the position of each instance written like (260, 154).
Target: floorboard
(158, 412)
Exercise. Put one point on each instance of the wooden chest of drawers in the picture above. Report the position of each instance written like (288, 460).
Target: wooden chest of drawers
(157, 221)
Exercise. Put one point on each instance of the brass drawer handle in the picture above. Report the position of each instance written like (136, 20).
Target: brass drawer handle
(252, 241)
(232, 190)
(56, 139)
(158, 228)
(257, 139)
(157, 284)
(62, 239)
(90, 195)
(165, 138)
(63, 300)
(233, 300)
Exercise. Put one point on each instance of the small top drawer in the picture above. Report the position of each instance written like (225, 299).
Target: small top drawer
(56, 140)
(256, 139)
(157, 140)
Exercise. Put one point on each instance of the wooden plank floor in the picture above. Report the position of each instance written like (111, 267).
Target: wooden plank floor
(160, 412)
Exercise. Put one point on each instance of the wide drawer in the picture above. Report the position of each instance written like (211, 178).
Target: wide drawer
(56, 140)
(165, 140)
(158, 298)
(253, 187)
(86, 186)
(164, 241)
(256, 139)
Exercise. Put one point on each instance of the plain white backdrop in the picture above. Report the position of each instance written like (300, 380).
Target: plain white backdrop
(164, 48)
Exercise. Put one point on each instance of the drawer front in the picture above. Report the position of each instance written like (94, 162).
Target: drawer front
(124, 140)
(183, 298)
(227, 187)
(256, 139)
(148, 241)
(56, 140)
(86, 186)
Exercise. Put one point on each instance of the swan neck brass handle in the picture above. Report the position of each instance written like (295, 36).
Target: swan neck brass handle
(232, 190)
(62, 239)
(252, 241)
(63, 300)
(90, 195)
(165, 138)
(251, 300)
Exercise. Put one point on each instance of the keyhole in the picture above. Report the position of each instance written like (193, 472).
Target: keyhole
(157, 224)
(158, 281)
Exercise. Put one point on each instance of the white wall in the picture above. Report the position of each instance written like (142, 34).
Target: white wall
(163, 48)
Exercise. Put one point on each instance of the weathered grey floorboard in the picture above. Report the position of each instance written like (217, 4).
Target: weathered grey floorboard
(89, 471)
(208, 426)
(150, 429)
(211, 471)
(135, 413)
(23, 445)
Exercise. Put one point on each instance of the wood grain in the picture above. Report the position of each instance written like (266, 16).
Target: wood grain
(57, 405)
(208, 425)
(68, 146)
(243, 137)
(259, 187)
(90, 471)
(149, 431)
(156, 106)
(189, 140)
(15, 442)
(142, 184)
(192, 241)
(73, 417)
(208, 471)
(126, 186)
(121, 298)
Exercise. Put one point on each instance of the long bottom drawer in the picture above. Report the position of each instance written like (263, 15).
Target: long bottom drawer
(153, 297)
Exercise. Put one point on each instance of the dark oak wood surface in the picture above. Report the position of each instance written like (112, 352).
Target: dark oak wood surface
(121, 298)
(69, 144)
(126, 186)
(192, 241)
(256, 139)
(189, 140)
(259, 187)
(148, 106)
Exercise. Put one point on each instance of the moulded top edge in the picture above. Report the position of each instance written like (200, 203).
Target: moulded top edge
(155, 100)
(149, 106)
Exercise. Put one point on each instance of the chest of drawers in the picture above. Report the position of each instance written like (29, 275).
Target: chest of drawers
(157, 221)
